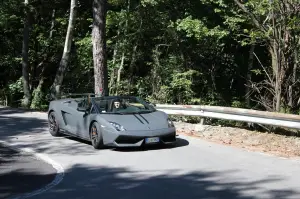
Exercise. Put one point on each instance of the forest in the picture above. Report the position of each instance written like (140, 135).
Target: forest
(235, 53)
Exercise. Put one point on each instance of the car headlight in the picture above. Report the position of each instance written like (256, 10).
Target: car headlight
(170, 123)
(117, 126)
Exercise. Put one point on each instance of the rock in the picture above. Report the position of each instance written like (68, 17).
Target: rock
(199, 128)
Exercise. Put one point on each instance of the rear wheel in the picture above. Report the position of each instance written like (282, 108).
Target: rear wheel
(53, 124)
(96, 136)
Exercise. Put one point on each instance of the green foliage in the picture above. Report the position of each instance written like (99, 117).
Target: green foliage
(150, 2)
(84, 53)
(188, 119)
(164, 95)
(38, 101)
(13, 92)
(182, 52)
(197, 28)
(181, 86)
(16, 87)
(238, 103)
(143, 88)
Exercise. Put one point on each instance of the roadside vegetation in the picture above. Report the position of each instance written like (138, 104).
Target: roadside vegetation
(232, 53)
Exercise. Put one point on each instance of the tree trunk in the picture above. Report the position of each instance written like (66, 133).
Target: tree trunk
(155, 72)
(291, 101)
(250, 66)
(56, 86)
(131, 66)
(119, 72)
(121, 66)
(37, 93)
(277, 74)
(99, 47)
(25, 62)
(52, 24)
(112, 75)
(213, 77)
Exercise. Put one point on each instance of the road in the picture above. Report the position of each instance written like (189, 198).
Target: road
(193, 169)
(21, 173)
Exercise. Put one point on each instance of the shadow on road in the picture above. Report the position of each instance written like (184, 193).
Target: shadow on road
(22, 173)
(11, 110)
(179, 143)
(114, 183)
(13, 126)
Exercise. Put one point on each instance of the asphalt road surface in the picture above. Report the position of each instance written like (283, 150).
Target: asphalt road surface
(21, 173)
(194, 169)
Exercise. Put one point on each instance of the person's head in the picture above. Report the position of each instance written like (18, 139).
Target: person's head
(117, 104)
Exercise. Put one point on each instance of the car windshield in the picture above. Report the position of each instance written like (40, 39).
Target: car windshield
(122, 105)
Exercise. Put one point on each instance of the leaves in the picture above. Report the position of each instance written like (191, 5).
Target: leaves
(174, 51)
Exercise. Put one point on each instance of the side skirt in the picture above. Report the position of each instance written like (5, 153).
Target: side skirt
(65, 132)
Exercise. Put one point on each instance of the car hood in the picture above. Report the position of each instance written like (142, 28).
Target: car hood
(144, 121)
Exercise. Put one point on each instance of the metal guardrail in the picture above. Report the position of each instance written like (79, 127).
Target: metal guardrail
(235, 114)
(226, 113)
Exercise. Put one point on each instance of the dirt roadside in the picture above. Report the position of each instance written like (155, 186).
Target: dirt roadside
(279, 145)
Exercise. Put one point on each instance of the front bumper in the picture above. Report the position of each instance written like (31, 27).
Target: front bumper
(137, 138)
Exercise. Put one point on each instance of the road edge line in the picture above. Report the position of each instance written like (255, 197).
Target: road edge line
(60, 172)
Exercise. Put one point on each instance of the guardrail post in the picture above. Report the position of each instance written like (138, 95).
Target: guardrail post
(202, 120)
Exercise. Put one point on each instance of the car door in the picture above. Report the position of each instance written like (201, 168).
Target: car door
(68, 113)
(82, 119)
(76, 121)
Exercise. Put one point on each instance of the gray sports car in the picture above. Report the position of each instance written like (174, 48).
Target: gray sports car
(119, 121)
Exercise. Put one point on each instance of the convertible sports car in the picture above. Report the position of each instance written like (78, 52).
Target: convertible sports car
(118, 121)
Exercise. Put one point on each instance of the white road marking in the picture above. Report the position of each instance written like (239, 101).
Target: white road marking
(58, 167)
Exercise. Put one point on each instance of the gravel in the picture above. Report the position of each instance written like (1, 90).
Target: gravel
(280, 145)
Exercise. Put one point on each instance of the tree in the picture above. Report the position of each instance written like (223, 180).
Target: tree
(276, 23)
(56, 86)
(25, 62)
(99, 47)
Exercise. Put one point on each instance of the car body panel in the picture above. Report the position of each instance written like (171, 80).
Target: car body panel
(70, 120)
(144, 121)
(137, 126)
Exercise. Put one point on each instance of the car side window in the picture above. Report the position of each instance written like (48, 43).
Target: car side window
(83, 103)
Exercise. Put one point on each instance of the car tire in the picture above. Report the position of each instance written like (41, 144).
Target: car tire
(53, 124)
(96, 136)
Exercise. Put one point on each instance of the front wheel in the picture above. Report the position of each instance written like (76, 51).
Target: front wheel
(53, 124)
(96, 136)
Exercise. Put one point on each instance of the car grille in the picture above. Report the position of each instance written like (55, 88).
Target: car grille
(127, 139)
(124, 139)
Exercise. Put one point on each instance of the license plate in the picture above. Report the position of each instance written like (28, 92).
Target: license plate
(152, 140)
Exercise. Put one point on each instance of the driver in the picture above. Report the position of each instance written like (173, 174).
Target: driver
(116, 105)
